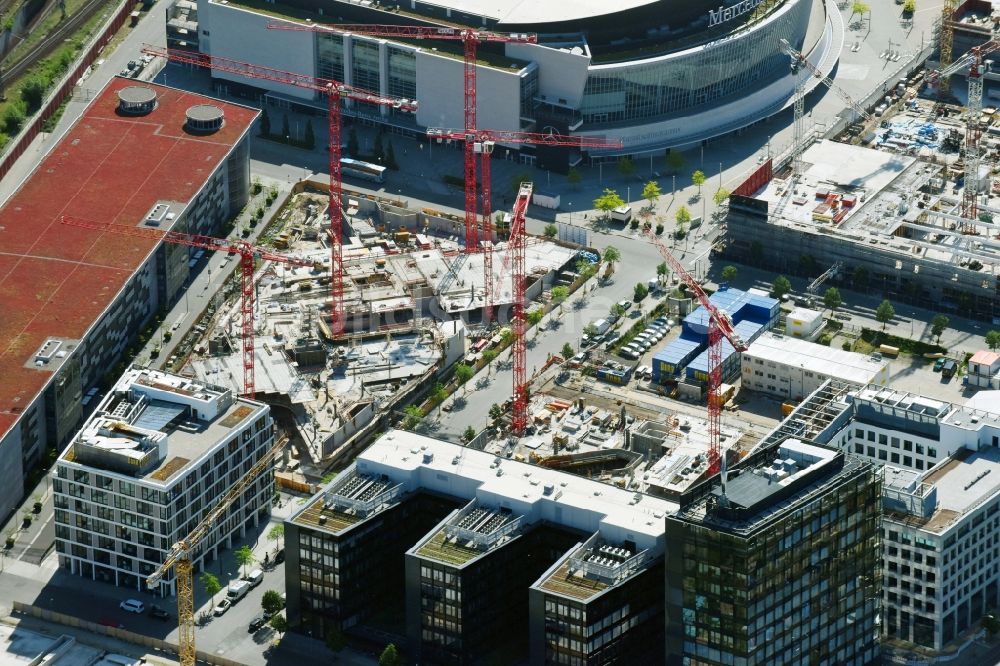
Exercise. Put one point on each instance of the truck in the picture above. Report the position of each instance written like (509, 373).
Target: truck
(546, 199)
(237, 591)
(621, 214)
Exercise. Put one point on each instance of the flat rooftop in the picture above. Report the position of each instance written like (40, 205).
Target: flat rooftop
(414, 462)
(529, 11)
(55, 280)
(472, 532)
(831, 362)
(139, 417)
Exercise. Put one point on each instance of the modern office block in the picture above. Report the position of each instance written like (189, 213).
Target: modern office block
(778, 564)
(145, 469)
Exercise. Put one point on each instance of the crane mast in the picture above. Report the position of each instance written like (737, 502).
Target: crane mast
(470, 38)
(334, 91)
(720, 327)
(248, 254)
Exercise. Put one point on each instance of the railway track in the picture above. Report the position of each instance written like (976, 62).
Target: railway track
(12, 71)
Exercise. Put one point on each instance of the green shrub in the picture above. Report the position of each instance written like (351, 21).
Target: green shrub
(13, 117)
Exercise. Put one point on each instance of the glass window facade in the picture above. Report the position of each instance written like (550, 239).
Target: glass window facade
(683, 82)
(803, 587)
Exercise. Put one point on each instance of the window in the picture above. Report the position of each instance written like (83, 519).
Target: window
(895, 458)
(907, 445)
(883, 439)
(907, 460)
(871, 435)
(882, 455)
(932, 452)
(871, 451)
(894, 442)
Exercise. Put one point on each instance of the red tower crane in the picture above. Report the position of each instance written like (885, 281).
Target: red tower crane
(470, 38)
(334, 91)
(247, 254)
(719, 326)
(483, 143)
(515, 261)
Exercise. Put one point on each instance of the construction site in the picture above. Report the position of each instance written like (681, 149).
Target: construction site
(902, 201)
(413, 306)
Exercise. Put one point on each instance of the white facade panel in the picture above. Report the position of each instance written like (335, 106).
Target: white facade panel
(440, 90)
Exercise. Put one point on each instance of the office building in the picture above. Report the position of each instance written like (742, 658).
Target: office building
(779, 563)
(941, 550)
(147, 466)
(473, 557)
(73, 300)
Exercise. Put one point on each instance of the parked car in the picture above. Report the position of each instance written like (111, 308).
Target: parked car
(132, 606)
(938, 364)
(257, 623)
(949, 368)
(629, 353)
(255, 577)
(280, 556)
(625, 304)
(222, 607)
(158, 613)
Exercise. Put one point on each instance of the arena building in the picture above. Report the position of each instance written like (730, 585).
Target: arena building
(654, 73)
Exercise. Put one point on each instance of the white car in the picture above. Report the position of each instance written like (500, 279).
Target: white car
(222, 607)
(132, 606)
(629, 353)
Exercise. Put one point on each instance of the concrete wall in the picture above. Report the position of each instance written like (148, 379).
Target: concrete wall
(241, 34)
(561, 75)
(348, 429)
(440, 88)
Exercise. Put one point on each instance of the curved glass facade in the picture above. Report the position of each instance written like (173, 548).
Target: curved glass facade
(679, 83)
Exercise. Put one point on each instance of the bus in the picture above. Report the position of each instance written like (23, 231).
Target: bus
(359, 169)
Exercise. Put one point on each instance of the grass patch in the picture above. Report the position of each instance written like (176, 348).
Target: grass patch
(874, 338)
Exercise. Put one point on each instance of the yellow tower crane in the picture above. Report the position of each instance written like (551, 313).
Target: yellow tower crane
(179, 556)
(947, 38)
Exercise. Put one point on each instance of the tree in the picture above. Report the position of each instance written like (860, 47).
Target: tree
(662, 268)
(720, 196)
(534, 317)
(618, 310)
(335, 639)
(938, 325)
(993, 340)
(567, 351)
(859, 8)
(286, 130)
(33, 91)
(276, 533)
(495, 411)
(639, 292)
(573, 177)
(675, 161)
(683, 218)
(390, 656)
(884, 312)
(310, 135)
(353, 148)
(611, 255)
(651, 192)
(550, 231)
(210, 584)
(244, 557)
(608, 201)
(488, 356)
(469, 434)
(559, 295)
(272, 602)
(780, 287)
(438, 393)
(626, 166)
(279, 624)
(412, 417)
(463, 373)
(586, 269)
(729, 273)
(832, 299)
(265, 123)
(698, 178)
(860, 277)
(390, 156)
(590, 330)
(506, 336)
(909, 6)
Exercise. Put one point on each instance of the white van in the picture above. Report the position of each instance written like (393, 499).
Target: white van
(237, 591)
(255, 577)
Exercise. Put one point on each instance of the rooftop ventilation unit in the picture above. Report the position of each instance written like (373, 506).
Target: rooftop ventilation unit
(136, 100)
(204, 118)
